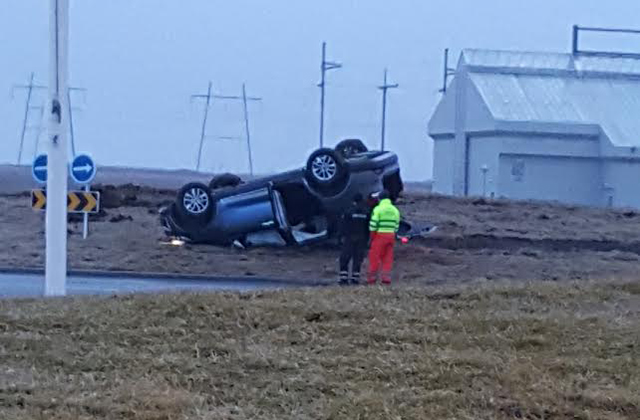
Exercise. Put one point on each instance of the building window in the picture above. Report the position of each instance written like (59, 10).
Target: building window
(517, 170)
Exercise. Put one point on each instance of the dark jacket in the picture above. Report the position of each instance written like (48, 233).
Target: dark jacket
(355, 223)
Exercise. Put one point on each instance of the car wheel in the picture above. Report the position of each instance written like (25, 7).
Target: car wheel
(194, 203)
(348, 148)
(325, 167)
(393, 184)
(224, 180)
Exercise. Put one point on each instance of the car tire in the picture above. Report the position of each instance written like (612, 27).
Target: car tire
(224, 180)
(348, 148)
(194, 204)
(393, 184)
(326, 168)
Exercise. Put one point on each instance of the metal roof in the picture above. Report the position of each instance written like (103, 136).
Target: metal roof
(516, 59)
(608, 97)
(538, 61)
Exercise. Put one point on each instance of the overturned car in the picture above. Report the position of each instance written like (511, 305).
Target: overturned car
(292, 208)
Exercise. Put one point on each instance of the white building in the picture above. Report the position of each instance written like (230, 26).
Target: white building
(540, 126)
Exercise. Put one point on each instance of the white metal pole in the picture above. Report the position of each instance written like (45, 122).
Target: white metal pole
(85, 222)
(56, 217)
(484, 170)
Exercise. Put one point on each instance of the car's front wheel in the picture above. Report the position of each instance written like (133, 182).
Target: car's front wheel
(194, 203)
(325, 167)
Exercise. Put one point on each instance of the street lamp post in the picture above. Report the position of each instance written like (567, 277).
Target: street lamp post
(56, 213)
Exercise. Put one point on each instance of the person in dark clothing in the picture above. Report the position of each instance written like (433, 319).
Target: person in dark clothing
(354, 233)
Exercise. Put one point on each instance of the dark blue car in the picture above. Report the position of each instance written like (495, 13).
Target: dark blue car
(291, 208)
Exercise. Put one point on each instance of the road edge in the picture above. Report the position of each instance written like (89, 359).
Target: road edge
(167, 276)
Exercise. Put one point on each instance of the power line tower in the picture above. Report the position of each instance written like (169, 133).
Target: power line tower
(71, 126)
(40, 129)
(384, 88)
(30, 89)
(244, 99)
(324, 67)
(207, 98)
(71, 108)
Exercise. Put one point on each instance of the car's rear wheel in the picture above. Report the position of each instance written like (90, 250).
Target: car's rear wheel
(348, 148)
(194, 203)
(224, 180)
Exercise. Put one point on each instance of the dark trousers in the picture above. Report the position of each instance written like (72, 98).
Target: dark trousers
(353, 251)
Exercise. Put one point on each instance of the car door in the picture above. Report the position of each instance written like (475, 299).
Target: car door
(244, 212)
(280, 216)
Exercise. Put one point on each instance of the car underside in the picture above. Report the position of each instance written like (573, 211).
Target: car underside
(291, 208)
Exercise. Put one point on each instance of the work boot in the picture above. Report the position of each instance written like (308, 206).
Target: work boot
(372, 278)
(343, 280)
(355, 278)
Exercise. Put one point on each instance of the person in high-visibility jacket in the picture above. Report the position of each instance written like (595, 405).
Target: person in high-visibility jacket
(385, 221)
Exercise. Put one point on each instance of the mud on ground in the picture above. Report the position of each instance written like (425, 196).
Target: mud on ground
(477, 240)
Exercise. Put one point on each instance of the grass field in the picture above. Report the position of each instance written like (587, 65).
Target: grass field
(529, 351)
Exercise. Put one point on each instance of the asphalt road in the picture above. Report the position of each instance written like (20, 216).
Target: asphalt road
(32, 285)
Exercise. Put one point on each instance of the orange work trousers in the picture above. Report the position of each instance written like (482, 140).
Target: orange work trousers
(381, 257)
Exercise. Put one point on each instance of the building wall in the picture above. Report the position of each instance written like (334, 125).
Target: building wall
(485, 151)
(443, 166)
(622, 183)
(566, 179)
(552, 145)
(580, 170)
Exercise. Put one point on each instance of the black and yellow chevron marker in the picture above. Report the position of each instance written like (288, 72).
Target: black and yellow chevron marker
(38, 199)
(92, 200)
(77, 201)
(83, 202)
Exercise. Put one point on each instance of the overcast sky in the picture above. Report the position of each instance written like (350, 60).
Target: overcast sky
(142, 59)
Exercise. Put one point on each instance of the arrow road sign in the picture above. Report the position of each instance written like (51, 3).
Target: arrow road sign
(39, 168)
(83, 170)
(77, 201)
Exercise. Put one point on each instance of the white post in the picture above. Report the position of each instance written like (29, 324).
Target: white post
(484, 170)
(56, 217)
(85, 221)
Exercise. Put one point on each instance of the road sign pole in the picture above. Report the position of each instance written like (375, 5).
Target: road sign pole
(56, 216)
(85, 221)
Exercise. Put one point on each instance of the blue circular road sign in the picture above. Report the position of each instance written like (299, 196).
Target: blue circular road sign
(83, 169)
(39, 168)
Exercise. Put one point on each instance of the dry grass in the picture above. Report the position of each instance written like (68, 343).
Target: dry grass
(538, 351)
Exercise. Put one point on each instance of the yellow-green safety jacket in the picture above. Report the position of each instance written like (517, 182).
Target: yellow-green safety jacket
(385, 218)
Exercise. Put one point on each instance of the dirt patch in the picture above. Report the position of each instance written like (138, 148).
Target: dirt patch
(466, 217)
(476, 240)
(132, 195)
(542, 351)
